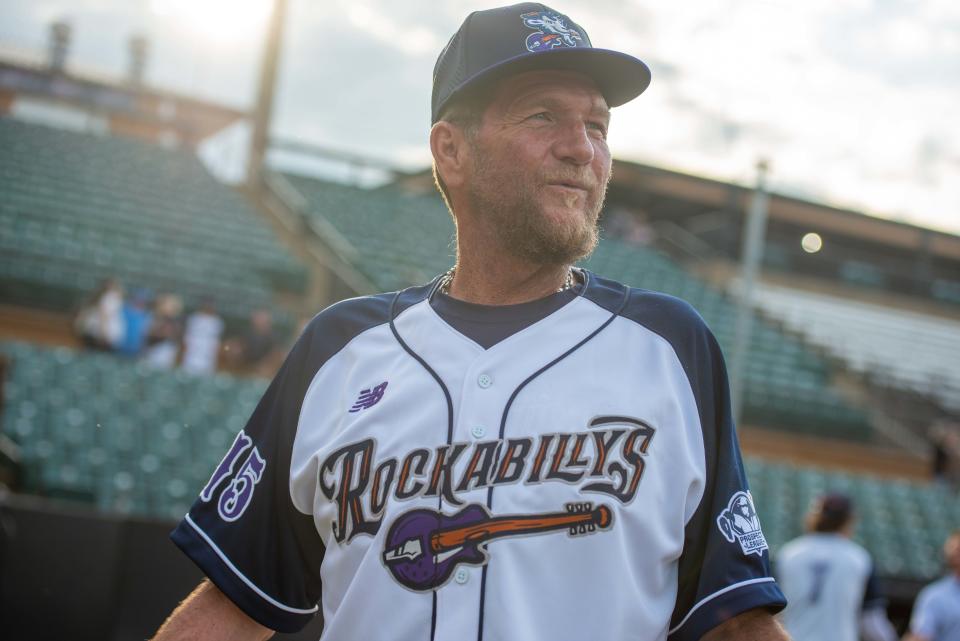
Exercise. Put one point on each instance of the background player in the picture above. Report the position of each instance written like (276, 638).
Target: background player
(936, 614)
(829, 581)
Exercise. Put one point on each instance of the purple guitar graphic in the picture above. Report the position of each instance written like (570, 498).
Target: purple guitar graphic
(424, 546)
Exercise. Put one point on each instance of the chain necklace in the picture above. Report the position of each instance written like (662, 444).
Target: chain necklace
(447, 279)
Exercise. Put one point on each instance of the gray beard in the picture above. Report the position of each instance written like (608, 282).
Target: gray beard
(514, 214)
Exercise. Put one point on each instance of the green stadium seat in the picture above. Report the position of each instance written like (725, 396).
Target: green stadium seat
(118, 207)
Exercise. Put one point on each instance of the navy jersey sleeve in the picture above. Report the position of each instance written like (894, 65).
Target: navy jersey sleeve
(725, 566)
(244, 531)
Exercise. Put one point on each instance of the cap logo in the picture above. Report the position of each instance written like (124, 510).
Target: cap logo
(550, 33)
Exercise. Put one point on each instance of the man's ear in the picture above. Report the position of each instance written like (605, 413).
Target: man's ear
(449, 146)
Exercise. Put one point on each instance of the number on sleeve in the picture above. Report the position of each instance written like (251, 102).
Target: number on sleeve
(237, 495)
(225, 469)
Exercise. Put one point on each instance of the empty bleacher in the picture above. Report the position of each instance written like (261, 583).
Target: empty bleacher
(123, 436)
(398, 239)
(891, 346)
(77, 208)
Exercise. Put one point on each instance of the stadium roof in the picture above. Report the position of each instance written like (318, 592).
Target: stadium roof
(139, 111)
(637, 178)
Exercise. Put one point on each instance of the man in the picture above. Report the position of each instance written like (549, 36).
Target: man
(829, 582)
(201, 339)
(517, 450)
(936, 614)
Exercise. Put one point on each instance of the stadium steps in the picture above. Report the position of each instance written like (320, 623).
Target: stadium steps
(127, 439)
(285, 208)
(396, 239)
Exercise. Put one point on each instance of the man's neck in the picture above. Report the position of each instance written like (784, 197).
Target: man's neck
(500, 281)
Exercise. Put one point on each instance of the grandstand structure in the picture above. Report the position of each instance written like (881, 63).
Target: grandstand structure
(79, 208)
(852, 359)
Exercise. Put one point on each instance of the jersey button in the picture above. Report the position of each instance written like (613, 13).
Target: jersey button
(478, 431)
(461, 576)
(484, 381)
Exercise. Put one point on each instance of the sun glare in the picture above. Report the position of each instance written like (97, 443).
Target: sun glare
(220, 21)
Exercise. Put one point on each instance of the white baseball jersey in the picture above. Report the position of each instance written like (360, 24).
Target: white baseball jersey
(828, 580)
(575, 477)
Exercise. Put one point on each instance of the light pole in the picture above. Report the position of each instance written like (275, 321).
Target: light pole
(265, 89)
(751, 255)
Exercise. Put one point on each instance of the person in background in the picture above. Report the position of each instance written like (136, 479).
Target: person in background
(100, 323)
(201, 339)
(936, 614)
(163, 335)
(136, 317)
(260, 343)
(829, 581)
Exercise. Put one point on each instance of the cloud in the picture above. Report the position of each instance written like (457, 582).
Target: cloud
(410, 38)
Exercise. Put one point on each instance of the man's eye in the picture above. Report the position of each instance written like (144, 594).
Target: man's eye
(543, 115)
(598, 126)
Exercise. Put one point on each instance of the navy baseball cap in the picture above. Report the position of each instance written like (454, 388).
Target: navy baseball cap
(495, 43)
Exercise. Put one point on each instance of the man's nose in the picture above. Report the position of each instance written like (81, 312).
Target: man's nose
(574, 144)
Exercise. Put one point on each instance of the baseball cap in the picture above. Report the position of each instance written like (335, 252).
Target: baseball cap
(494, 43)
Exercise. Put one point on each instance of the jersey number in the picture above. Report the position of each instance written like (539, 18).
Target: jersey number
(819, 569)
(236, 496)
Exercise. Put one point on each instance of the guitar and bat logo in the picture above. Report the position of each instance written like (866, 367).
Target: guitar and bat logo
(424, 547)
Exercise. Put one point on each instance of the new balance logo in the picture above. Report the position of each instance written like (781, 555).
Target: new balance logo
(369, 397)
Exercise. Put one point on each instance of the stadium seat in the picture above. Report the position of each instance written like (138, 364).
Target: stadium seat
(78, 208)
(904, 348)
(95, 428)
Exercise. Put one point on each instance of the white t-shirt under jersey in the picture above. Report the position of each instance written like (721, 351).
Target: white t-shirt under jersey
(825, 579)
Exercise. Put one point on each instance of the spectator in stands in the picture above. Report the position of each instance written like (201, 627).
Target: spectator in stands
(136, 318)
(829, 582)
(259, 349)
(201, 339)
(936, 614)
(629, 226)
(100, 322)
(163, 335)
(945, 452)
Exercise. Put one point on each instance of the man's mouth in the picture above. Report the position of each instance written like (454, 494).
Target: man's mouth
(570, 184)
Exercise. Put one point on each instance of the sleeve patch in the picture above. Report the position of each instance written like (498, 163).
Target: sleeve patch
(740, 523)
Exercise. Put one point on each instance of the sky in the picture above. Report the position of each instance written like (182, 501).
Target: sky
(855, 103)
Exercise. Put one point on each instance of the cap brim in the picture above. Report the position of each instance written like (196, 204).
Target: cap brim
(619, 76)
